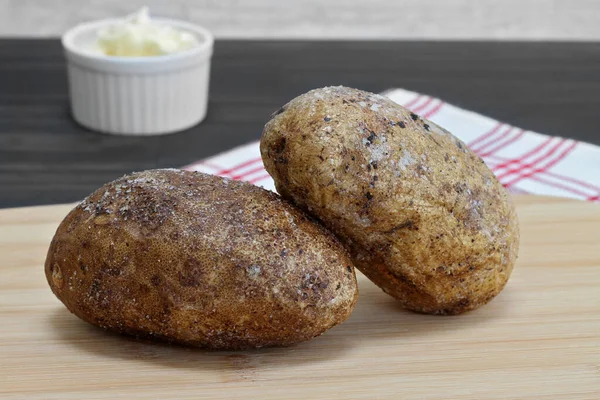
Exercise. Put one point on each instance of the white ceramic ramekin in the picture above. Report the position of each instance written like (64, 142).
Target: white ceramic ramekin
(137, 95)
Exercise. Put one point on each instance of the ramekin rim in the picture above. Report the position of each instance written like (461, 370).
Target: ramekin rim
(205, 37)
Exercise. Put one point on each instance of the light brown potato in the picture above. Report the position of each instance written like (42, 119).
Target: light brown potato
(422, 215)
(199, 260)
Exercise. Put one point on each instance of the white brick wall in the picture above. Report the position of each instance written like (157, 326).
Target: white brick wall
(369, 19)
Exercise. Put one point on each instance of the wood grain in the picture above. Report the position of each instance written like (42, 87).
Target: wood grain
(358, 19)
(46, 158)
(539, 339)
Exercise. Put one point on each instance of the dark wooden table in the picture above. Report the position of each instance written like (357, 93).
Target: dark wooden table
(46, 158)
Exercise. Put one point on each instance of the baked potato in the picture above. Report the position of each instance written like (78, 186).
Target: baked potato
(199, 260)
(422, 215)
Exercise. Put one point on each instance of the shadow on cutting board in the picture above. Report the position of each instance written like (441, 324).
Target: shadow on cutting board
(376, 317)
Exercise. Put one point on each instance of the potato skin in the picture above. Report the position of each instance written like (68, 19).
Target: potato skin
(421, 214)
(199, 260)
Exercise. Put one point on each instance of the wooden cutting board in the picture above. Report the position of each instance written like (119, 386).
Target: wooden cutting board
(539, 339)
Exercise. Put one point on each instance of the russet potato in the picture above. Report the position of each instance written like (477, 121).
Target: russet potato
(199, 260)
(422, 216)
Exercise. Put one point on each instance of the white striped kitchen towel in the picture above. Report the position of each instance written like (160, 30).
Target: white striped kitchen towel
(524, 161)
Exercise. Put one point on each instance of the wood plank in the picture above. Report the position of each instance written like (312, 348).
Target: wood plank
(539, 339)
(45, 157)
(375, 19)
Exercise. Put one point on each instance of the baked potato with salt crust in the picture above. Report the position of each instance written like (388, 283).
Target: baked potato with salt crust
(422, 216)
(199, 260)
